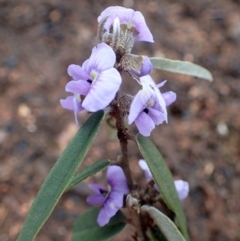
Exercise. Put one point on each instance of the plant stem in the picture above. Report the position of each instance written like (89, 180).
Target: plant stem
(140, 236)
(124, 163)
(123, 137)
(133, 206)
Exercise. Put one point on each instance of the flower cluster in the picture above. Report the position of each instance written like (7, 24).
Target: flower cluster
(182, 187)
(110, 198)
(96, 83)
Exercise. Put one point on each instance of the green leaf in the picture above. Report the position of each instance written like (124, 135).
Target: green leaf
(86, 227)
(156, 234)
(60, 176)
(181, 67)
(163, 178)
(88, 171)
(166, 225)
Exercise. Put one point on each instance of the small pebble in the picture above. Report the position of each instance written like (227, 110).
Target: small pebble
(222, 129)
(24, 110)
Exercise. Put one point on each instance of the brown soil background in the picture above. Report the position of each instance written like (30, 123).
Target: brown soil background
(201, 143)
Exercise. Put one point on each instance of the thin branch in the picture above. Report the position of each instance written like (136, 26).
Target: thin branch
(123, 139)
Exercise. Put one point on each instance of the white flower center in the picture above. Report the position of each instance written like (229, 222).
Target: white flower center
(150, 103)
(109, 188)
(78, 97)
(94, 75)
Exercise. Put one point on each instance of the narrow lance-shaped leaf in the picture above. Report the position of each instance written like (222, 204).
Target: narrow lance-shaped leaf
(60, 176)
(86, 227)
(181, 67)
(155, 234)
(88, 171)
(166, 225)
(163, 178)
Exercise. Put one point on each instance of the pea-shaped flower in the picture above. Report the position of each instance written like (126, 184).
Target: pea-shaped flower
(110, 197)
(129, 17)
(148, 107)
(95, 84)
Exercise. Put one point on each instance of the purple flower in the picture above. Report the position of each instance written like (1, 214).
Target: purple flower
(181, 186)
(73, 103)
(95, 84)
(144, 166)
(148, 107)
(146, 67)
(129, 17)
(110, 198)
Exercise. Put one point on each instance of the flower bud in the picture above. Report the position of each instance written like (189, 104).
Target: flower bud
(146, 67)
(136, 65)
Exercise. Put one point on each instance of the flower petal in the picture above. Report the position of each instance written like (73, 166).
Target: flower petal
(161, 84)
(139, 103)
(127, 16)
(124, 14)
(169, 97)
(105, 215)
(103, 90)
(67, 103)
(144, 166)
(144, 124)
(85, 65)
(182, 188)
(142, 67)
(157, 116)
(117, 180)
(141, 26)
(112, 204)
(142, 163)
(146, 67)
(71, 103)
(77, 107)
(97, 187)
(115, 200)
(148, 81)
(77, 72)
(102, 58)
(79, 87)
(96, 199)
(160, 102)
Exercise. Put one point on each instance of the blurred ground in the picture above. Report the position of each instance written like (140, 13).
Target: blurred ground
(201, 143)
